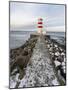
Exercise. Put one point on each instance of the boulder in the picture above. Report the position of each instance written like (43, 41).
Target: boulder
(57, 63)
(22, 61)
(57, 53)
(60, 58)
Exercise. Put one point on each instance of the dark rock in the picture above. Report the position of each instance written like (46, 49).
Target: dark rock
(59, 58)
(22, 61)
(61, 71)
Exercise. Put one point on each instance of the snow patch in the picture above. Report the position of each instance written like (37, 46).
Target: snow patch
(57, 63)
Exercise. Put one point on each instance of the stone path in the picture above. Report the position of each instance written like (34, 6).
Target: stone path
(39, 71)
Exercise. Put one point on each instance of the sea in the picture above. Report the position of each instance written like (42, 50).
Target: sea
(18, 38)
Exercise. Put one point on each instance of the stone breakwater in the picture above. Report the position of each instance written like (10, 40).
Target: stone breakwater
(20, 57)
(58, 57)
(40, 71)
(36, 64)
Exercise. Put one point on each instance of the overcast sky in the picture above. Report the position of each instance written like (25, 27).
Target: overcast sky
(24, 16)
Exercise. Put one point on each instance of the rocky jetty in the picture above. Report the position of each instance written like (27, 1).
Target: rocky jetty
(41, 61)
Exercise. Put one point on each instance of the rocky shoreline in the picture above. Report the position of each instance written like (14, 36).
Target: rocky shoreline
(58, 57)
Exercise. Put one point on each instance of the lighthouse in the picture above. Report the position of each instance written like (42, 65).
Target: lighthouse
(40, 25)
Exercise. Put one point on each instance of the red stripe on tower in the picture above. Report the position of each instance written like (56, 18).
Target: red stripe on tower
(40, 26)
(40, 23)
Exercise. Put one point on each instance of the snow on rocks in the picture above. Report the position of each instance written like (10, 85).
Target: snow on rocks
(13, 80)
(48, 46)
(14, 71)
(46, 41)
(54, 82)
(64, 67)
(62, 54)
(64, 59)
(51, 49)
(57, 53)
(63, 63)
(56, 45)
(58, 57)
(57, 63)
(60, 49)
(40, 72)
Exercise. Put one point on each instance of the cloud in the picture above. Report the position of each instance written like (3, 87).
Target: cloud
(24, 16)
(56, 29)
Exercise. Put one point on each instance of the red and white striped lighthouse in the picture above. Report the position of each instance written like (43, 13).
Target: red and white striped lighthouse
(40, 25)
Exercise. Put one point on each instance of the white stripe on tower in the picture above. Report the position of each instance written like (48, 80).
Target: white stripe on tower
(40, 25)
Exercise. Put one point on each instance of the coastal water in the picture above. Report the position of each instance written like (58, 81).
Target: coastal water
(58, 36)
(18, 38)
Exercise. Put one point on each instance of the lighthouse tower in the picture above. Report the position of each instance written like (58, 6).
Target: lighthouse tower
(40, 25)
